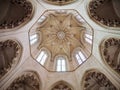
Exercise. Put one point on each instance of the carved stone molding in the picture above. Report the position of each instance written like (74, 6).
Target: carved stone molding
(28, 81)
(105, 12)
(15, 13)
(61, 86)
(60, 2)
(94, 80)
(10, 52)
(110, 50)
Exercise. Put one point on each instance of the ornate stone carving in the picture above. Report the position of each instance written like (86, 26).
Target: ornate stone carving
(61, 86)
(9, 54)
(61, 32)
(95, 80)
(16, 12)
(105, 13)
(63, 39)
(110, 50)
(59, 2)
(28, 81)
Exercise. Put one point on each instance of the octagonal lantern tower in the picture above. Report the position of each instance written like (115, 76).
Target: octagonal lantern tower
(61, 40)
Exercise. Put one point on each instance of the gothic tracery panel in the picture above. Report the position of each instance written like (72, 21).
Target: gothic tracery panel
(10, 52)
(105, 12)
(14, 13)
(94, 80)
(110, 50)
(28, 81)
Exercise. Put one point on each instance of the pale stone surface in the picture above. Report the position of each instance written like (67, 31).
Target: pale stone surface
(48, 79)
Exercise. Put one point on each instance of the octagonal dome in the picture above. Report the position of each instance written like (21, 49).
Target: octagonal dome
(61, 40)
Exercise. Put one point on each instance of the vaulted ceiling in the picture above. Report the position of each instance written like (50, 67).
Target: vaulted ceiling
(62, 28)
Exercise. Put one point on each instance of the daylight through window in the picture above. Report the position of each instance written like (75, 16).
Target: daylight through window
(42, 57)
(80, 57)
(61, 64)
(33, 39)
(88, 38)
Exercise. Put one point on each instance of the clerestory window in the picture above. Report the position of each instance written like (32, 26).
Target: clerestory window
(61, 64)
(80, 57)
(33, 39)
(42, 57)
(88, 38)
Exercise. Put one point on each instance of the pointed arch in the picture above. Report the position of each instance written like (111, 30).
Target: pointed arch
(14, 13)
(10, 53)
(95, 80)
(62, 85)
(105, 13)
(28, 80)
(110, 52)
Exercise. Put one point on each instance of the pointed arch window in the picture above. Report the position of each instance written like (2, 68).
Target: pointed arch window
(42, 57)
(80, 57)
(33, 39)
(88, 38)
(61, 64)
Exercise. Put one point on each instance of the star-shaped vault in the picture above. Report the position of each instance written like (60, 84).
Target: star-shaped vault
(61, 34)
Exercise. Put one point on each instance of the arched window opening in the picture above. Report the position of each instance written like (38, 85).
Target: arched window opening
(33, 39)
(42, 57)
(88, 38)
(79, 18)
(42, 19)
(80, 57)
(61, 64)
(10, 53)
(93, 80)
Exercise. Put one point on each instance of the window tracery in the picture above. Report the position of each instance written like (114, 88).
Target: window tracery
(27, 81)
(23, 10)
(105, 12)
(10, 52)
(94, 80)
(110, 50)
